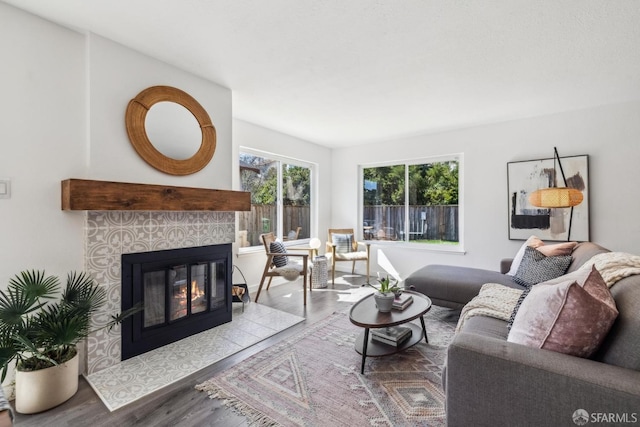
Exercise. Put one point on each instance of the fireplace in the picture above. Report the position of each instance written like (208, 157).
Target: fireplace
(182, 292)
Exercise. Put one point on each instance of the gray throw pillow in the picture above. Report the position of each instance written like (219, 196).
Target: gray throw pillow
(278, 248)
(343, 242)
(536, 268)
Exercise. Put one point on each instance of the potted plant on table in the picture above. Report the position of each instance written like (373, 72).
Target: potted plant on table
(387, 292)
(40, 329)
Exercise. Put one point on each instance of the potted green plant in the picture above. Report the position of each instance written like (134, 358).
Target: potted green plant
(40, 329)
(386, 293)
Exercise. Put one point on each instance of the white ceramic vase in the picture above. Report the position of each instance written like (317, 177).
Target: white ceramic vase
(37, 391)
(384, 302)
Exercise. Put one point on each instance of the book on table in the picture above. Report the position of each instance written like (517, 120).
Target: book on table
(393, 335)
(402, 302)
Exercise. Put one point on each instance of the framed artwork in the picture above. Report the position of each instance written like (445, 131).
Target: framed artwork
(563, 224)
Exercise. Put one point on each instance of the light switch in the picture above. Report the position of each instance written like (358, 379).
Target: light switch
(5, 189)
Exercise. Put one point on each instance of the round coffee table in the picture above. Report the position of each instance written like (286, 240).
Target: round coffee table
(365, 314)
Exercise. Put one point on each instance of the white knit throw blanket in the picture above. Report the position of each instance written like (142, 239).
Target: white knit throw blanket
(614, 266)
(495, 300)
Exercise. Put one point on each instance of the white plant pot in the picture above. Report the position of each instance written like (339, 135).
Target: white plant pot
(384, 302)
(37, 391)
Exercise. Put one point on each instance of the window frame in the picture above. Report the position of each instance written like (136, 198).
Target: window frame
(313, 197)
(456, 248)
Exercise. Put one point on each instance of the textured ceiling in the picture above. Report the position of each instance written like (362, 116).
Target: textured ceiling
(346, 72)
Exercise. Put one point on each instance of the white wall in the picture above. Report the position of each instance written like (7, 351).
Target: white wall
(256, 137)
(64, 99)
(43, 140)
(608, 134)
(116, 75)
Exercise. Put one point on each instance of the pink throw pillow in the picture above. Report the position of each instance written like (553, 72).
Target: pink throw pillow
(567, 317)
(559, 249)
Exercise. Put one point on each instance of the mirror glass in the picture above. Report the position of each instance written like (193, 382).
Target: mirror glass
(173, 130)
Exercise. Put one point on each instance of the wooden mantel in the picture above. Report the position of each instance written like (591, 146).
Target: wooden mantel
(89, 195)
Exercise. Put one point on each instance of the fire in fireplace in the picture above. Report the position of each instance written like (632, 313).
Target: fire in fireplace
(182, 292)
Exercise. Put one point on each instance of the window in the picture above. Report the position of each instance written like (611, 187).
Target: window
(280, 198)
(413, 202)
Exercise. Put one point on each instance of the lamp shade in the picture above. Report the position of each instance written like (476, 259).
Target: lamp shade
(314, 243)
(556, 197)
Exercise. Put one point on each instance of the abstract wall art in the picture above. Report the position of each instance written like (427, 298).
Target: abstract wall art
(525, 177)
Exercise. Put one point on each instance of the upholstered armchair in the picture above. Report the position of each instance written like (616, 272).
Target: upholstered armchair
(278, 264)
(342, 246)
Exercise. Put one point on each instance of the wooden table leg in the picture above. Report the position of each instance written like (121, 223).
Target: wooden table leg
(364, 348)
(424, 330)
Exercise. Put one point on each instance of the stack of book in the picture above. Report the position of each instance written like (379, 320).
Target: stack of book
(394, 335)
(402, 302)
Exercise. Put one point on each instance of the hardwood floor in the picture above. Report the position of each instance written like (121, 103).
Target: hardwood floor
(180, 404)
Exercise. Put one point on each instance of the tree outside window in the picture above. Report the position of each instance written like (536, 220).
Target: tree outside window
(412, 202)
(280, 199)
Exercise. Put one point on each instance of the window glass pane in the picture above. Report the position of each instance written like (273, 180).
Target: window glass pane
(259, 176)
(296, 195)
(433, 203)
(384, 202)
(412, 202)
(281, 199)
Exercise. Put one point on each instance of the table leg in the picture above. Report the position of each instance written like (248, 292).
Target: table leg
(364, 348)
(424, 330)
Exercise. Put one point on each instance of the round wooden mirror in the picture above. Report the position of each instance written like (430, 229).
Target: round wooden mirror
(161, 156)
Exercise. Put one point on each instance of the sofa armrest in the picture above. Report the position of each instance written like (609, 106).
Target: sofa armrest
(505, 265)
(492, 382)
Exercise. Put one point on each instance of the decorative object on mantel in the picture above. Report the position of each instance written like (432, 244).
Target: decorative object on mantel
(135, 119)
(84, 194)
(550, 221)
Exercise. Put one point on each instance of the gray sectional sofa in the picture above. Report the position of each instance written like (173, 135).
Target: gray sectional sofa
(489, 381)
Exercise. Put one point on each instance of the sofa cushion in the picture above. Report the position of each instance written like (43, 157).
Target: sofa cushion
(536, 267)
(278, 248)
(568, 317)
(621, 346)
(451, 286)
(582, 253)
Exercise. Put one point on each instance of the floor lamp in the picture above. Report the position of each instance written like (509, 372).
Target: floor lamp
(557, 197)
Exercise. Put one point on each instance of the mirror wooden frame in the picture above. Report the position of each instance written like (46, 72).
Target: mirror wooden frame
(135, 122)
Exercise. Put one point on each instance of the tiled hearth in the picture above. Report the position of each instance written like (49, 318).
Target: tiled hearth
(141, 375)
(109, 234)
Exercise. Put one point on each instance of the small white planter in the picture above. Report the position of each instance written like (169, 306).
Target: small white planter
(384, 302)
(37, 391)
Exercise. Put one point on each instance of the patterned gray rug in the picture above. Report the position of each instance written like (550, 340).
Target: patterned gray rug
(313, 379)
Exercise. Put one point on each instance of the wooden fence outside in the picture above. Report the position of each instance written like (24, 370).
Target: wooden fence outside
(380, 222)
(425, 222)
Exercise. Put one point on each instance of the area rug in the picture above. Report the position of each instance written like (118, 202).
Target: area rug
(313, 379)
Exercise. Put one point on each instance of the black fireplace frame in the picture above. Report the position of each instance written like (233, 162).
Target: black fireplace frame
(136, 340)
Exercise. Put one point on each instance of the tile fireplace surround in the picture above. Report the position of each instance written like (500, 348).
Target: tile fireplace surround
(109, 234)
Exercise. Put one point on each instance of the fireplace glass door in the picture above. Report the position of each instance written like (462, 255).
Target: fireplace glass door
(181, 294)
